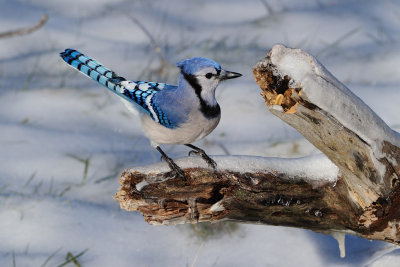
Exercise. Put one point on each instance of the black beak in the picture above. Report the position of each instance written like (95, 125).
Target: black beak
(225, 75)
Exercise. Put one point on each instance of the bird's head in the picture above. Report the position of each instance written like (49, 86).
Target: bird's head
(204, 75)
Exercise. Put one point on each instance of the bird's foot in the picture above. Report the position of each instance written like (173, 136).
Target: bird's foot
(176, 171)
(200, 152)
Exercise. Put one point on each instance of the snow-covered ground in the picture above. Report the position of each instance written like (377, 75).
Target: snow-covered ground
(64, 140)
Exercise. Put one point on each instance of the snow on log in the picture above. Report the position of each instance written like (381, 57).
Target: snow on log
(353, 188)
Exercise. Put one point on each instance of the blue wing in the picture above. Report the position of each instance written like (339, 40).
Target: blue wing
(138, 92)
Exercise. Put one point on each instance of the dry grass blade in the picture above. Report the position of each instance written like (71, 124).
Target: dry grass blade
(24, 31)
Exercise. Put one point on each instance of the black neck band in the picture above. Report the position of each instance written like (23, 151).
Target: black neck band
(207, 110)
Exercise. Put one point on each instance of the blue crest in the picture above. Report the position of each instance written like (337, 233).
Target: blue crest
(194, 64)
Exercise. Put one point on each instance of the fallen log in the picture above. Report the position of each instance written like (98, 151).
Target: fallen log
(353, 187)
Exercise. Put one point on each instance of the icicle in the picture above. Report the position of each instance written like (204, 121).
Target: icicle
(192, 208)
(340, 238)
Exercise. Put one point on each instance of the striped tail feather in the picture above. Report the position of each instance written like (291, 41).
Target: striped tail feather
(138, 93)
(104, 76)
(93, 69)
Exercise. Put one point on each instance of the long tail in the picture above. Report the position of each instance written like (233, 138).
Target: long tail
(137, 92)
(93, 69)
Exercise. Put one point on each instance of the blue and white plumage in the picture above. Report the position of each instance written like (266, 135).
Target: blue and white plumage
(169, 114)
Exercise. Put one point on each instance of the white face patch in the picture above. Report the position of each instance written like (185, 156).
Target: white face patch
(205, 73)
(208, 84)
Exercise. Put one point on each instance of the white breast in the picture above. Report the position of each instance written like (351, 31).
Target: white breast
(196, 128)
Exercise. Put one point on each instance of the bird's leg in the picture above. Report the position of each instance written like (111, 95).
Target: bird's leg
(200, 152)
(175, 169)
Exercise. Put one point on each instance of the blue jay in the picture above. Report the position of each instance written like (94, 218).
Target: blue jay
(169, 114)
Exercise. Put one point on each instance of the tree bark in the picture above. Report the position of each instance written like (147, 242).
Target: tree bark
(353, 188)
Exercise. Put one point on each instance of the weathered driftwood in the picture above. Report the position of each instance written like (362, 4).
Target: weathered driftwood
(363, 199)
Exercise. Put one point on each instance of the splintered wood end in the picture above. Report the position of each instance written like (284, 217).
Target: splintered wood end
(276, 90)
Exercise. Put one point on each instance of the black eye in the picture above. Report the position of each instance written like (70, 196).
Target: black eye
(209, 75)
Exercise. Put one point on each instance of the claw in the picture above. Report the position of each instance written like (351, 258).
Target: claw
(176, 175)
(200, 152)
(176, 171)
(211, 163)
(193, 152)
